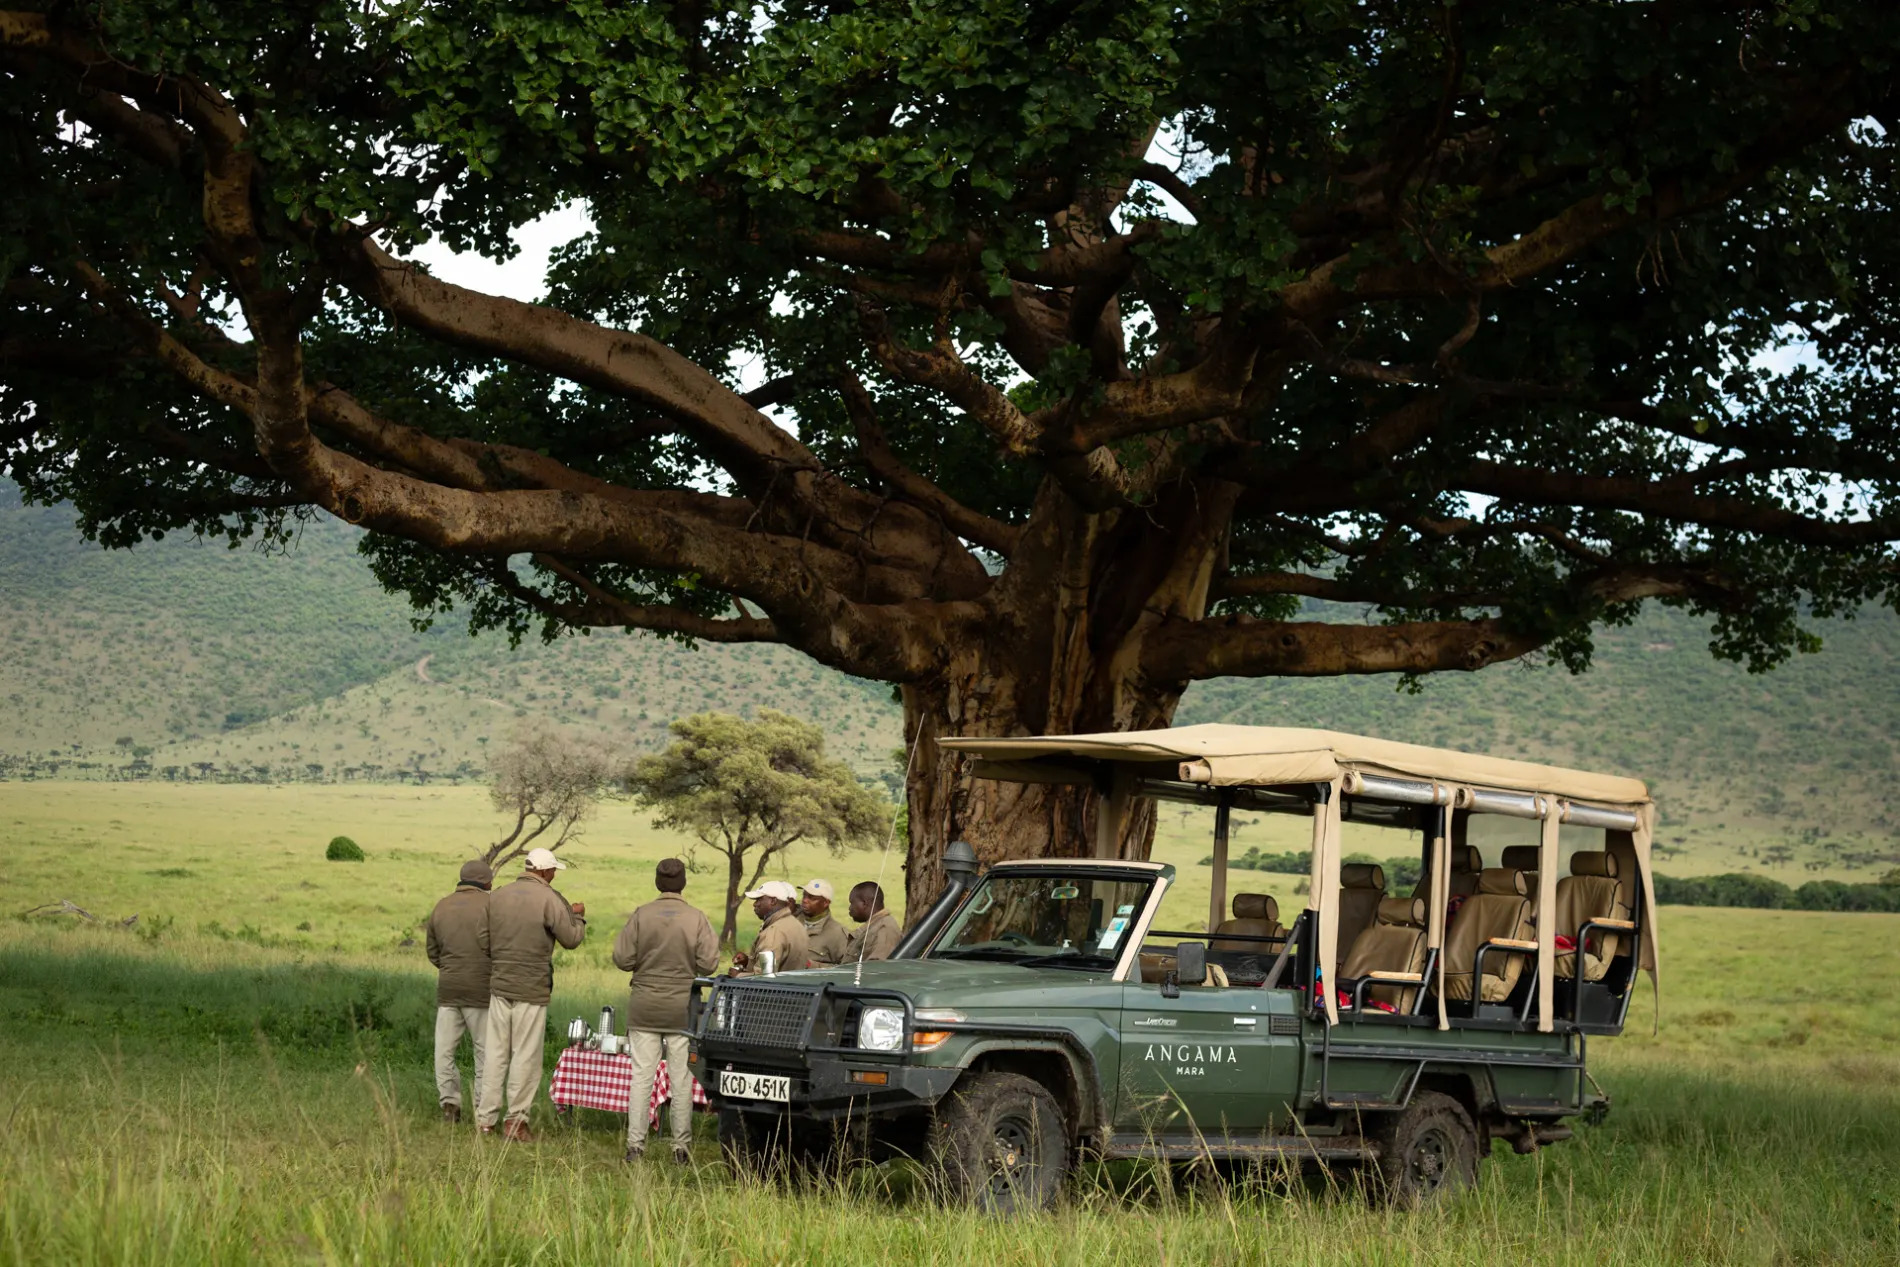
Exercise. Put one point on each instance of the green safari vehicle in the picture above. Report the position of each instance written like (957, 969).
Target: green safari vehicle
(1043, 1011)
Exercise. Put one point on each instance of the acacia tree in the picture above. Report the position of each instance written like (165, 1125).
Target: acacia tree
(1096, 338)
(546, 784)
(750, 790)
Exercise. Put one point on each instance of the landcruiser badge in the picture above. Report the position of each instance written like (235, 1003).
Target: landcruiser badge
(1168, 1021)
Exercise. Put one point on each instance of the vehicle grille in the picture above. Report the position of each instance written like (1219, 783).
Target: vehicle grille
(767, 1016)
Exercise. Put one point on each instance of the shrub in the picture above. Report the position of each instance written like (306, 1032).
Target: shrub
(343, 849)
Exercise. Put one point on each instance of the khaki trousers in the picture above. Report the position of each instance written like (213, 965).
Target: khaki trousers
(513, 1058)
(450, 1024)
(647, 1047)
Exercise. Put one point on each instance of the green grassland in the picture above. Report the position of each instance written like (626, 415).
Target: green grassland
(215, 1085)
(188, 660)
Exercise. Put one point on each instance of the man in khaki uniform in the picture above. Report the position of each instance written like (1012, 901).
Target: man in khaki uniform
(877, 934)
(665, 944)
(461, 983)
(525, 921)
(780, 932)
(825, 935)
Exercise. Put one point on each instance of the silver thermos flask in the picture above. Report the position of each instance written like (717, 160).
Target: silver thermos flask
(770, 961)
(606, 1021)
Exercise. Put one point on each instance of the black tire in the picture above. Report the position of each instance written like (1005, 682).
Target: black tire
(1427, 1151)
(1000, 1143)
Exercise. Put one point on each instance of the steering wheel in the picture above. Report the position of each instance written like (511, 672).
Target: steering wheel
(1013, 937)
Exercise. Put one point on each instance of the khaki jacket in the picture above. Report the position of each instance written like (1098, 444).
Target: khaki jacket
(878, 936)
(827, 940)
(454, 943)
(523, 923)
(665, 944)
(784, 936)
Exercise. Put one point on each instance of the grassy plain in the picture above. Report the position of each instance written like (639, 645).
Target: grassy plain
(212, 1094)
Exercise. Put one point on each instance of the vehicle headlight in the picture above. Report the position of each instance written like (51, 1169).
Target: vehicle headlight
(881, 1029)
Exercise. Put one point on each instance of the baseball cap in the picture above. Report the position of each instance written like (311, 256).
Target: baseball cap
(475, 871)
(775, 888)
(819, 888)
(543, 860)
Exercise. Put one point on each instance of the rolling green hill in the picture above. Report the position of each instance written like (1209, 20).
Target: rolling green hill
(184, 659)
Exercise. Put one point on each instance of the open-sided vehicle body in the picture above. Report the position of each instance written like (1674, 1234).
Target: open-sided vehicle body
(1044, 1009)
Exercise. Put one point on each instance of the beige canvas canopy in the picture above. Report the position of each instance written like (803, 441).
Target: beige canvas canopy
(1234, 756)
(1221, 756)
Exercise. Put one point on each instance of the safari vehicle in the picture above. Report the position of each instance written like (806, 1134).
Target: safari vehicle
(1045, 1010)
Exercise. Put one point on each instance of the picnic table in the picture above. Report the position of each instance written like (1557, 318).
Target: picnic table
(590, 1079)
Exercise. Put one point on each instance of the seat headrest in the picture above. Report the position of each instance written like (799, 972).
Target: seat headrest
(1362, 875)
(1406, 912)
(1466, 858)
(1593, 862)
(1505, 881)
(1521, 858)
(1255, 906)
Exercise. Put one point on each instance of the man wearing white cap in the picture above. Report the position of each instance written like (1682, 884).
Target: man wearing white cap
(825, 935)
(780, 933)
(524, 922)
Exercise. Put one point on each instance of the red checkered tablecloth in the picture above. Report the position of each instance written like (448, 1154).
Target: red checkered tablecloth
(593, 1080)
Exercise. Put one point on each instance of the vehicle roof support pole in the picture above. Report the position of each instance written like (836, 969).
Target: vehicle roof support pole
(1438, 895)
(1641, 840)
(1548, 859)
(1217, 896)
(1324, 898)
(1111, 807)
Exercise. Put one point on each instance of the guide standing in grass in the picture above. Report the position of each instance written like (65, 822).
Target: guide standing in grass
(877, 934)
(665, 944)
(524, 922)
(461, 983)
(781, 933)
(825, 935)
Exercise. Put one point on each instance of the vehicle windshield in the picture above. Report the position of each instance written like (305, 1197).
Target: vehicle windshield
(1073, 920)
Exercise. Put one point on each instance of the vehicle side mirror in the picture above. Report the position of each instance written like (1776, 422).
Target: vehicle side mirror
(1190, 963)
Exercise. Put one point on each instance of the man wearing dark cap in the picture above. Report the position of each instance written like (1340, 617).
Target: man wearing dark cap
(665, 944)
(461, 983)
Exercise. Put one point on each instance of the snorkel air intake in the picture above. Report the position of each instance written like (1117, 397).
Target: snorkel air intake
(959, 873)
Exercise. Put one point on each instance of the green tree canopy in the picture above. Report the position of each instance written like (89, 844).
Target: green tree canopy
(1094, 337)
(749, 790)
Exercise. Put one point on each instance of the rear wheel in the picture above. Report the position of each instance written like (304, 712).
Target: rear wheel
(1000, 1143)
(1428, 1151)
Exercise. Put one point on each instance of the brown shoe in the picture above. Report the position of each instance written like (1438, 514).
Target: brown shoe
(451, 1113)
(516, 1131)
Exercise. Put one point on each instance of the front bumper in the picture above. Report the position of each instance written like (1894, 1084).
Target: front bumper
(823, 1087)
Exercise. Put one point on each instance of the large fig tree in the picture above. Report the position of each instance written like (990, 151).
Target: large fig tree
(1039, 358)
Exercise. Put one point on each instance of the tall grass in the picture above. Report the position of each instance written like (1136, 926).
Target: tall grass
(211, 1101)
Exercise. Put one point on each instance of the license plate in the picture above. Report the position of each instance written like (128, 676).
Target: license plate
(756, 1086)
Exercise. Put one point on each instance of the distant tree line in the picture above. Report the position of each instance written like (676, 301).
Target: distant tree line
(24, 768)
(1758, 892)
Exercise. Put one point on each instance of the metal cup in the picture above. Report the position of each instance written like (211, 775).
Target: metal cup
(577, 1031)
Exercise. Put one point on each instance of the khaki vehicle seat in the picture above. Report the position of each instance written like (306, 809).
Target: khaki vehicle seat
(1395, 943)
(1590, 892)
(1361, 889)
(1255, 915)
(1521, 858)
(1466, 863)
(1499, 910)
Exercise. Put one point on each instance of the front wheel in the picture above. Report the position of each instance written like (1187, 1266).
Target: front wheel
(1428, 1151)
(1000, 1143)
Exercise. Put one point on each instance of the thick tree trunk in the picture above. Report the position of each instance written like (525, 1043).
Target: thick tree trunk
(1062, 657)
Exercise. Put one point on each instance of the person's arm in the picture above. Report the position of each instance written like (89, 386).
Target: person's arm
(433, 944)
(568, 928)
(883, 941)
(481, 929)
(705, 948)
(627, 945)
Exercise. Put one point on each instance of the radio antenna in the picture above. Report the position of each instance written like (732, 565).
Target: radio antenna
(890, 838)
